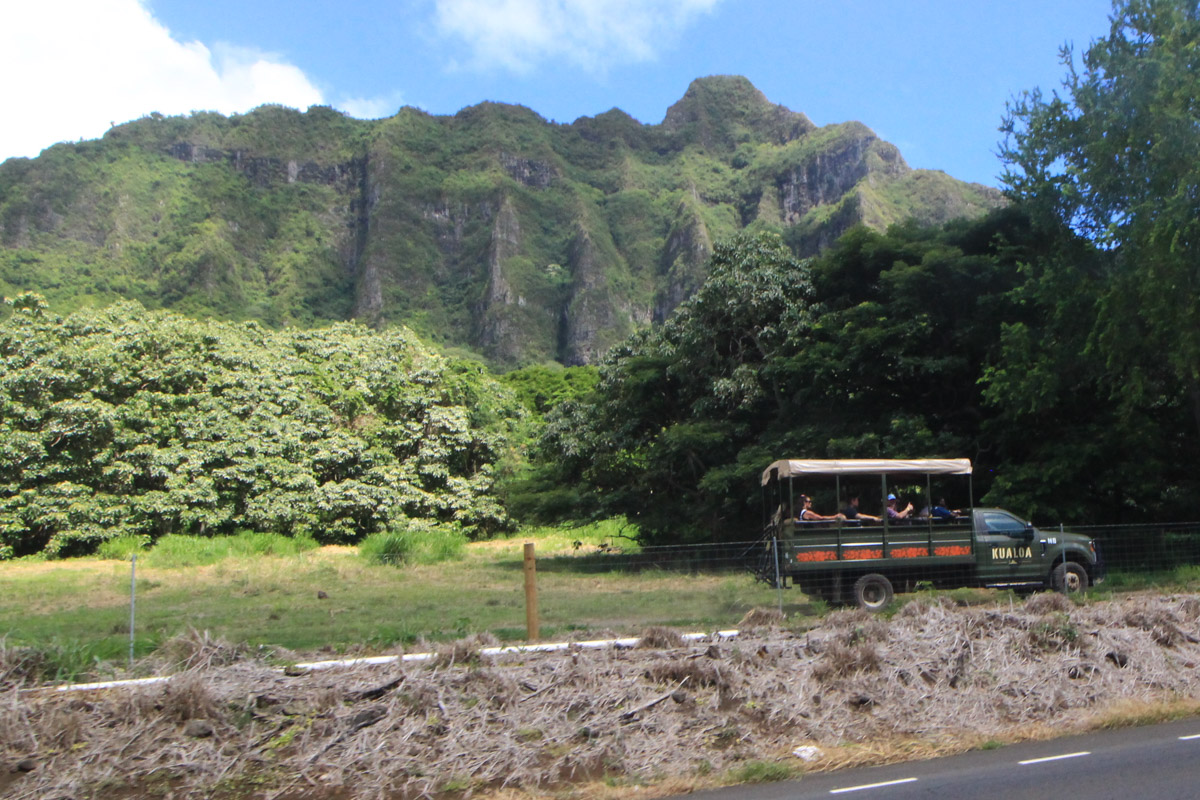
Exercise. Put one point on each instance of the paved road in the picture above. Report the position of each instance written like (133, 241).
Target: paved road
(1158, 762)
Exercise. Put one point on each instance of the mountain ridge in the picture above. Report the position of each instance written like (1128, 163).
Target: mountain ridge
(492, 229)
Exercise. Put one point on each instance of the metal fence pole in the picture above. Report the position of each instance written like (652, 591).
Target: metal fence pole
(778, 584)
(1066, 583)
(132, 603)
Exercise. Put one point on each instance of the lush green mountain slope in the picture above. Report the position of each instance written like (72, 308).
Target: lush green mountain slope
(493, 228)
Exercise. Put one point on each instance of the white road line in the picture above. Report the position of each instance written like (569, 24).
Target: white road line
(1186, 738)
(1054, 758)
(871, 786)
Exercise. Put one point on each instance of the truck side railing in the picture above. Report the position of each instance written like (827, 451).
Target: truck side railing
(811, 542)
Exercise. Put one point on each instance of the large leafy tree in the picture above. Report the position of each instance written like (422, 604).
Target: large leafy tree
(668, 437)
(1097, 394)
(872, 350)
(908, 319)
(1115, 157)
(1068, 442)
(124, 421)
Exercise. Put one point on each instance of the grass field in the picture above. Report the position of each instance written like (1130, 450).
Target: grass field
(78, 610)
(261, 590)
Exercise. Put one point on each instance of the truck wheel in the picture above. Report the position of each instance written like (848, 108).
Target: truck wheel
(873, 591)
(1069, 575)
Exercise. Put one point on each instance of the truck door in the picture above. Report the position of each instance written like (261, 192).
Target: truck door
(1005, 551)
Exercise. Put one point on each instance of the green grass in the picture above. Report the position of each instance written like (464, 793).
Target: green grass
(412, 545)
(195, 551)
(61, 660)
(82, 605)
(1184, 577)
(763, 772)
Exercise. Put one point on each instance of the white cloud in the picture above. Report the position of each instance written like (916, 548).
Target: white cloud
(591, 34)
(70, 68)
(372, 107)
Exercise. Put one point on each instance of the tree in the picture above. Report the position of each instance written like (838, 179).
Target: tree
(1115, 158)
(874, 349)
(127, 422)
(666, 438)
(908, 319)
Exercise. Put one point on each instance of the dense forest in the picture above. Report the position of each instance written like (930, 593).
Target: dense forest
(123, 422)
(1055, 341)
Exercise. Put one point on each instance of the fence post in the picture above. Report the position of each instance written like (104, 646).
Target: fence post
(1066, 586)
(778, 585)
(132, 603)
(531, 607)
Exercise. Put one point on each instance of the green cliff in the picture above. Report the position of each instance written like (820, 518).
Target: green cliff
(491, 229)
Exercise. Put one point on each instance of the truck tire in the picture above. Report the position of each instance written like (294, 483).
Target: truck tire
(873, 592)
(1070, 575)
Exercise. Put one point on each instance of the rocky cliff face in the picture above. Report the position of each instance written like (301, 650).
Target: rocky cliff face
(492, 229)
(495, 331)
(687, 250)
(826, 176)
(597, 316)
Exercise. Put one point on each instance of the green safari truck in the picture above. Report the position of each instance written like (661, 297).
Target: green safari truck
(862, 556)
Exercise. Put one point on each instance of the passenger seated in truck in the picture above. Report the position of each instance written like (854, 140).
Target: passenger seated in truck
(851, 511)
(808, 515)
(940, 512)
(893, 514)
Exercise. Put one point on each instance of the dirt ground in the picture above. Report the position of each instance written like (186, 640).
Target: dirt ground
(666, 716)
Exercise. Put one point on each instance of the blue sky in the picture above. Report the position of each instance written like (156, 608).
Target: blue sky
(930, 76)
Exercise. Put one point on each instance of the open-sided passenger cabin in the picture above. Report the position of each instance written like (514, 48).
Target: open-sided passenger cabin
(832, 483)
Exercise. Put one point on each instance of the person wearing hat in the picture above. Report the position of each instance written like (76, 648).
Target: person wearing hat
(895, 515)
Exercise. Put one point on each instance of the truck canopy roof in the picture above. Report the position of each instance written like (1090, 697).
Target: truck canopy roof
(788, 468)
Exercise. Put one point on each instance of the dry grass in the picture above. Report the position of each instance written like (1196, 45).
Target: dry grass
(757, 618)
(660, 638)
(935, 679)
(464, 651)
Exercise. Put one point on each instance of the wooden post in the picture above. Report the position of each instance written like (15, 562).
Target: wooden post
(132, 604)
(531, 607)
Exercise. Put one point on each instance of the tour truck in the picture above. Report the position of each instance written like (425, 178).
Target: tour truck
(853, 545)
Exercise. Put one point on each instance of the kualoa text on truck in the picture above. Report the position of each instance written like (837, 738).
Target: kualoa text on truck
(871, 526)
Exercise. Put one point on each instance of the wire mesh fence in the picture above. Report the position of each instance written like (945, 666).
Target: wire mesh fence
(1148, 552)
(689, 558)
(1147, 549)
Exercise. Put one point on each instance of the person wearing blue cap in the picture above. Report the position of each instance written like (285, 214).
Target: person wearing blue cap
(895, 515)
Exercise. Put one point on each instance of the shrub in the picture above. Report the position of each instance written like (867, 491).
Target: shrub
(763, 772)
(122, 547)
(122, 421)
(54, 661)
(387, 548)
(175, 550)
(414, 543)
